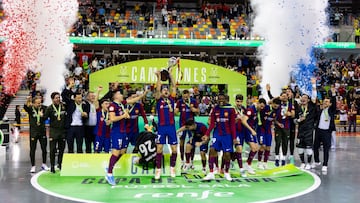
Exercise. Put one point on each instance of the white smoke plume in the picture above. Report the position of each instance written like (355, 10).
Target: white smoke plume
(291, 29)
(55, 18)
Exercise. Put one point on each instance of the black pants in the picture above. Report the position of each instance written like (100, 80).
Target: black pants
(89, 138)
(75, 132)
(34, 138)
(281, 138)
(322, 136)
(57, 141)
(292, 140)
(357, 39)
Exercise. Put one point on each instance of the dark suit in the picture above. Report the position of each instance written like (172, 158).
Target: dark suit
(74, 131)
(324, 135)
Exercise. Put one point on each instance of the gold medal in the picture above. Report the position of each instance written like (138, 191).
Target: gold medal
(170, 110)
(59, 119)
(38, 123)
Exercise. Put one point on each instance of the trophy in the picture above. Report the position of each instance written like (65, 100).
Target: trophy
(166, 72)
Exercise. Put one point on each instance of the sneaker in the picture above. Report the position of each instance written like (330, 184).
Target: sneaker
(172, 172)
(186, 168)
(192, 167)
(291, 159)
(58, 167)
(52, 169)
(216, 171)
(324, 169)
(227, 176)
(44, 167)
(204, 170)
(209, 176)
(157, 173)
(302, 166)
(283, 162)
(33, 169)
(110, 179)
(243, 173)
(249, 169)
(315, 164)
(265, 166)
(260, 166)
(307, 166)
(277, 163)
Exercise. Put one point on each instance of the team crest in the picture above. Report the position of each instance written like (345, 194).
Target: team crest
(226, 114)
(136, 111)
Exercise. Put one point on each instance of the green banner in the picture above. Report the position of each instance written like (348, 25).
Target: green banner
(95, 164)
(191, 42)
(193, 72)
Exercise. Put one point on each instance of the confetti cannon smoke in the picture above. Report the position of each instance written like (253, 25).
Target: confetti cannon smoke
(290, 29)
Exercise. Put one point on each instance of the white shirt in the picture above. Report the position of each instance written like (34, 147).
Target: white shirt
(76, 118)
(324, 125)
(92, 116)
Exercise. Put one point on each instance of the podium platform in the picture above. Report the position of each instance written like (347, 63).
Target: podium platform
(95, 164)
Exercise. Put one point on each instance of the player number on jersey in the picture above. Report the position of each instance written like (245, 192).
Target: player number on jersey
(146, 148)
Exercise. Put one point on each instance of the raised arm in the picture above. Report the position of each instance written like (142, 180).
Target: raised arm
(313, 92)
(136, 99)
(158, 85)
(268, 91)
(96, 103)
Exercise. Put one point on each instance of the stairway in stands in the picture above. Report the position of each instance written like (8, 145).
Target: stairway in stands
(20, 99)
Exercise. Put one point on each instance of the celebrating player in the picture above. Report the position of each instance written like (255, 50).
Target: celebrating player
(102, 128)
(132, 124)
(197, 130)
(166, 124)
(37, 130)
(118, 115)
(241, 122)
(306, 119)
(57, 137)
(222, 119)
(187, 107)
(267, 116)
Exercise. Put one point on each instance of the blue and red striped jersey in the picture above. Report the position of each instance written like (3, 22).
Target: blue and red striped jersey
(268, 116)
(251, 113)
(118, 109)
(222, 120)
(281, 117)
(101, 129)
(200, 129)
(240, 111)
(132, 124)
(185, 112)
(165, 110)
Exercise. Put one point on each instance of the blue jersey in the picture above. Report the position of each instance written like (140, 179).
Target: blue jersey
(185, 111)
(132, 124)
(165, 110)
(251, 113)
(118, 109)
(222, 120)
(101, 129)
(268, 116)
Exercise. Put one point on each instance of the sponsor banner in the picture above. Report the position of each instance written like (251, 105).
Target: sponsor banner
(193, 72)
(95, 164)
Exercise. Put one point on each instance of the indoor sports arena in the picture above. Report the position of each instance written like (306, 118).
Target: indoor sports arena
(179, 101)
